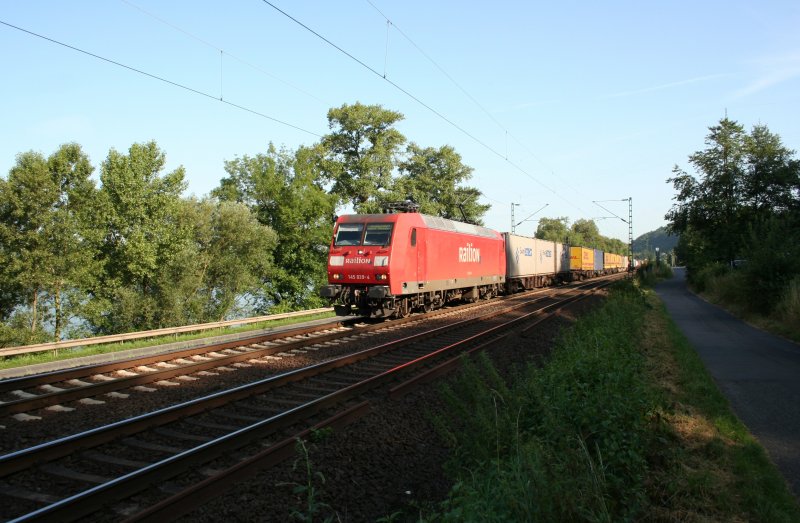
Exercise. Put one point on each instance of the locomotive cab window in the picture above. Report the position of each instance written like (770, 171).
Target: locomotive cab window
(348, 234)
(414, 237)
(378, 234)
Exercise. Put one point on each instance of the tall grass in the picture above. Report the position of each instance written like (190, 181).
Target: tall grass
(733, 289)
(651, 273)
(622, 423)
(788, 307)
(564, 442)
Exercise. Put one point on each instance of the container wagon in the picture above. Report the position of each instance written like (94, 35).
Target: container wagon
(531, 262)
(581, 263)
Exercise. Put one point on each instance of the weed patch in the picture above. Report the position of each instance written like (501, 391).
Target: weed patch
(621, 423)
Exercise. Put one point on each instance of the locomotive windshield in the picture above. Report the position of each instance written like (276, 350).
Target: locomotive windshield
(351, 234)
(378, 234)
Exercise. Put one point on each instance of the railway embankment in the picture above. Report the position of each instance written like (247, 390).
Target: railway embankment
(605, 412)
(622, 421)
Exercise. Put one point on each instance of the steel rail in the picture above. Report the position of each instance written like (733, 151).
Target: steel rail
(84, 503)
(24, 458)
(184, 501)
(113, 338)
(94, 389)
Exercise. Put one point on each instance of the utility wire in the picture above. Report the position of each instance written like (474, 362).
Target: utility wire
(378, 74)
(468, 95)
(431, 60)
(416, 99)
(610, 211)
(159, 78)
(227, 54)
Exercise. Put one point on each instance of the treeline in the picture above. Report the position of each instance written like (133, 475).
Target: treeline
(583, 233)
(738, 217)
(78, 257)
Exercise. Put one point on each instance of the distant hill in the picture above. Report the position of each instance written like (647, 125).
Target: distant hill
(645, 245)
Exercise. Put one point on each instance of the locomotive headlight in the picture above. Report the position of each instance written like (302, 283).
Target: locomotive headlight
(381, 277)
(337, 261)
(381, 261)
(337, 276)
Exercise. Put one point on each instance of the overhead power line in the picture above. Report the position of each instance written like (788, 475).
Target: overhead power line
(378, 74)
(440, 68)
(161, 79)
(418, 100)
(468, 95)
(229, 55)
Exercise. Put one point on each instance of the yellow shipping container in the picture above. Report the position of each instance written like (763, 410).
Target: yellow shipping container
(612, 261)
(581, 259)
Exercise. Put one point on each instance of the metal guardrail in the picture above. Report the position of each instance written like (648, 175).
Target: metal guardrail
(113, 338)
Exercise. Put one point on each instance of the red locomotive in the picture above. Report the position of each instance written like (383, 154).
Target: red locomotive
(389, 264)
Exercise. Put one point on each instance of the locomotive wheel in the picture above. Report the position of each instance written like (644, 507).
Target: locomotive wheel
(342, 310)
(402, 308)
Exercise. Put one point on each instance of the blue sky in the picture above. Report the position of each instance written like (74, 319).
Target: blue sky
(552, 103)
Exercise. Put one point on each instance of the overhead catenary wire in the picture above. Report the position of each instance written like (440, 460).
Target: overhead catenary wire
(226, 53)
(472, 98)
(420, 102)
(160, 78)
(440, 68)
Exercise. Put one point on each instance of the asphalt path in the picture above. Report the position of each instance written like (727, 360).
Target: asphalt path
(758, 372)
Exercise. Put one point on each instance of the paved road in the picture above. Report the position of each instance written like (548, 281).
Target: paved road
(759, 373)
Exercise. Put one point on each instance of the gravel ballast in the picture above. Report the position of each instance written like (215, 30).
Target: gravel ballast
(388, 464)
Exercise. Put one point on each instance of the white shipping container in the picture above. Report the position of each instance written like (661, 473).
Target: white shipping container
(519, 256)
(546, 260)
(530, 256)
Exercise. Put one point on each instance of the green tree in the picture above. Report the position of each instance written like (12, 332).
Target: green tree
(553, 229)
(712, 204)
(226, 262)
(745, 204)
(588, 233)
(145, 238)
(432, 178)
(772, 175)
(48, 245)
(360, 152)
(285, 191)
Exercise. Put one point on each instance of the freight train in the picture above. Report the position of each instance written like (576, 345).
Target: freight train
(386, 265)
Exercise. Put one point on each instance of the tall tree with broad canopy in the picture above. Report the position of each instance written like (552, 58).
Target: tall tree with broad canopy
(223, 265)
(553, 229)
(744, 204)
(360, 153)
(432, 178)
(48, 246)
(714, 202)
(772, 178)
(145, 240)
(588, 233)
(285, 191)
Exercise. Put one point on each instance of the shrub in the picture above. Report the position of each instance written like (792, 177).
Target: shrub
(788, 307)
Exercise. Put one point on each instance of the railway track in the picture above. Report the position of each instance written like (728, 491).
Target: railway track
(190, 450)
(54, 389)
(66, 390)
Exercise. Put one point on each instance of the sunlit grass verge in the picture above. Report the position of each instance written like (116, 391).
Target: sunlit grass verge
(64, 354)
(621, 423)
